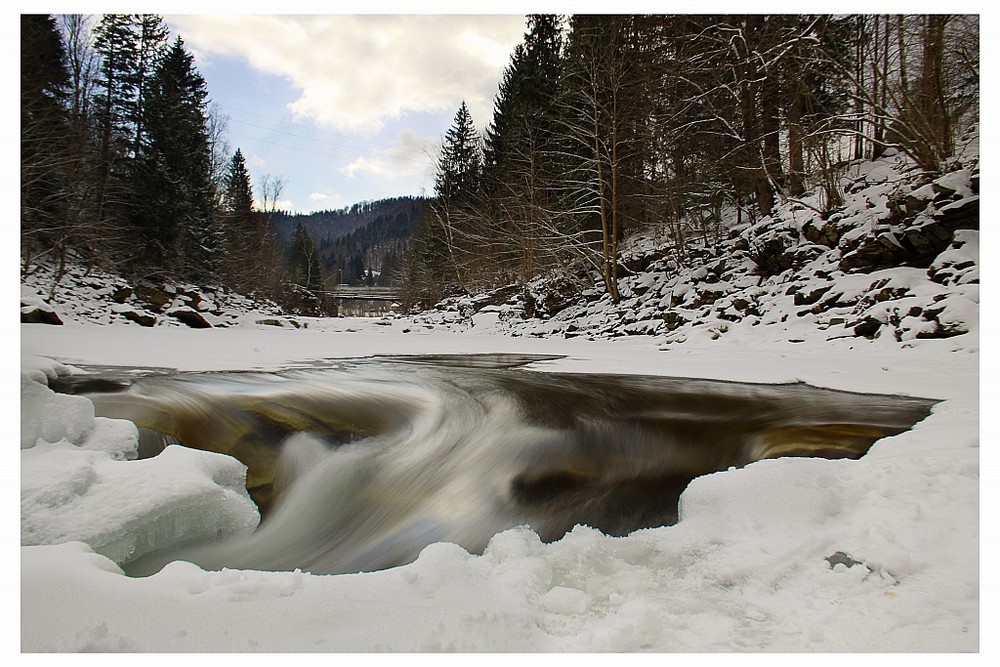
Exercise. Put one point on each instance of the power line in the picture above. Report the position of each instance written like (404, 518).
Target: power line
(293, 148)
(331, 143)
(311, 129)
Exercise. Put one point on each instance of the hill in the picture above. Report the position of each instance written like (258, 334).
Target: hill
(359, 244)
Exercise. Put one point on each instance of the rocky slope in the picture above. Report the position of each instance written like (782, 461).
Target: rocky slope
(899, 260)
(95, 296)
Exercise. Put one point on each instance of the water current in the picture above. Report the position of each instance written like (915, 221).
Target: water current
(360, 464)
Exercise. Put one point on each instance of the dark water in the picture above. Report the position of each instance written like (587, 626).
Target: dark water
(360, 465)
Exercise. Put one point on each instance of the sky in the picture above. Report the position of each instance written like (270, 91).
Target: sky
(351, 106)
(346, 108)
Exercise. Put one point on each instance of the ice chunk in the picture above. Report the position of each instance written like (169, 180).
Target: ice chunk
(50, 417)
(124, 509)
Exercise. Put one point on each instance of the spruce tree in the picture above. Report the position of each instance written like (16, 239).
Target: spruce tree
(174, 210)
(521, 154)
(240, 226)
(151, 44)
(114, 41)
(237, 195)
(460, 165)
(44, 124)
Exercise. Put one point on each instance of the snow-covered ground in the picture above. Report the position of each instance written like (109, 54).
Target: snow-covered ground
(878, 554)
(881, 554)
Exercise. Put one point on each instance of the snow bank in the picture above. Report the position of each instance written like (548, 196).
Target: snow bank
(879, 554)
(78, 483)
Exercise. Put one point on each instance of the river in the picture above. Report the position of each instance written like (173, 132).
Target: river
(359, 464)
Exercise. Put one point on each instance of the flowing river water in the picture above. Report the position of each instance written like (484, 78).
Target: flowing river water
(358, 465)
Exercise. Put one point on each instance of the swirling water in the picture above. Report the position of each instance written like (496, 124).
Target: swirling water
(360, 465)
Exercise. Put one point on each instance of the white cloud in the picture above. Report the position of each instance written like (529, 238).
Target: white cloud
(410, 155)
(327, 201)
(376, 167)
(355, 72)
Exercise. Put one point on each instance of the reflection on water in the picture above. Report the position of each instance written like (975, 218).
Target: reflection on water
(360, 465)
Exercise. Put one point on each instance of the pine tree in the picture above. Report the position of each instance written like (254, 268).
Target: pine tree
(521, 155)
(460, 165)
(174, 210)
(114, 41)
(151, 44)
(241, 227)
(445, 233)
(44, 124)
(237, 195)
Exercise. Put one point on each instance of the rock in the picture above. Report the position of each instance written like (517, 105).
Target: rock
(959, 263)
(811, 297)
(706, 297)
(153, 297)
(917, 201)
(841, 558)
(121, 294)
(962, 214)
(142, 319)
(192, 318)
(927, 239)
(673, 320)
(822, 232)
(546, 299)
(874, 252)
(641, 263)
(771, 255)
(868, 327)
(803, 254)
(39, 314)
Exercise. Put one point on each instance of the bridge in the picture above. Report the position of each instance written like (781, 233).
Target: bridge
(362, 293)
(362, 301)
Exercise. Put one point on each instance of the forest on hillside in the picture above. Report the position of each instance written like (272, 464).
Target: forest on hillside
(608, 124)
(603, 125)
(363, 244)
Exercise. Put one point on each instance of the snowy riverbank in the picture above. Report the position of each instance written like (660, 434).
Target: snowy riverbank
(878, 554)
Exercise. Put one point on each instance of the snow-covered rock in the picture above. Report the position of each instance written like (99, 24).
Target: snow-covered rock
(80, 482)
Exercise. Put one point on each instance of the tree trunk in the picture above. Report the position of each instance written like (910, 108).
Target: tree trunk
(796, 166)
(859, 54)
(932, 101)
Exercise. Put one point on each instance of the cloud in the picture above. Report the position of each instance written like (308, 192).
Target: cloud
(325, 200)
(356, 73)
(377, 167)
(410, 154)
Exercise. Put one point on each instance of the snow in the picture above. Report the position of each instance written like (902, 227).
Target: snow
(745, 569)
(881, 554)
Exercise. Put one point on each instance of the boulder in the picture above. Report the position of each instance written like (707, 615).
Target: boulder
(876, 251)
(190, 317)
(868, 327)
(962, 214)
(39, 314)
(142, 319)
(154, 298)
(822, 232)
(812, 296)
